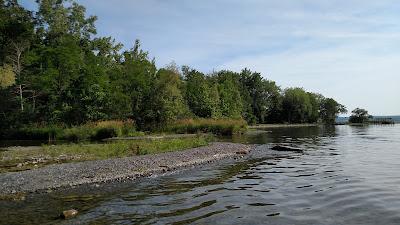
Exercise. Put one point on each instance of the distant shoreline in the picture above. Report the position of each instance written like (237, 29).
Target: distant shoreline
(284, 125)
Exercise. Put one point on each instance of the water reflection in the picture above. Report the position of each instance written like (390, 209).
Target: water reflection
(284, 134)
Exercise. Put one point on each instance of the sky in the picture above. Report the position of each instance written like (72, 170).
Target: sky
(345, 49)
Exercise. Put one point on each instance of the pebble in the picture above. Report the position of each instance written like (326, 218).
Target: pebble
(69, 213)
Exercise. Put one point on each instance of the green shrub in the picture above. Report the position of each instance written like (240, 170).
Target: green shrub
(89, 131)
(76, 134)
(215, 126)
(105, 132)
(28, 133)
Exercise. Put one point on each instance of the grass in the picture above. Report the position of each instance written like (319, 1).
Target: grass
(117, 128)
(89, 131)
(29, 158)
(215, 126)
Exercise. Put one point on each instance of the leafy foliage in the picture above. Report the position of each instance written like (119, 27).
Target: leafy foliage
(56, 73)
(7, 76)
(359, 115)
(219, 126)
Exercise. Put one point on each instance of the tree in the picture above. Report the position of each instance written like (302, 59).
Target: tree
(359, 115)
(330, 109)
(230, 100)
(17, 50)
(197, 93)
(53, 70)
(168, 101)
(70, 72)
(57, 20)
(254, 103)
(135, 84)
(296, 105)
(16, 34)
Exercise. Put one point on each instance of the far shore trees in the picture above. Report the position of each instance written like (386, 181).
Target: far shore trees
(359, 115)
(329, 109)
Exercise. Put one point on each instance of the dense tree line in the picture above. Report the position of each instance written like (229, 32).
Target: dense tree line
(55, 70)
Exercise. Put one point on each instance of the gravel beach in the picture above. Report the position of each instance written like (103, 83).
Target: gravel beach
(71, 174)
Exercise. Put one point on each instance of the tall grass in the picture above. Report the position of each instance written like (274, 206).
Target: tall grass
(116, 149)
(31, 158)
(99, 130)
(89, 131)
(116, 128)
(215, 126)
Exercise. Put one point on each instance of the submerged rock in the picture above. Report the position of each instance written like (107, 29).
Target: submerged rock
(69, 213)
(286, 148)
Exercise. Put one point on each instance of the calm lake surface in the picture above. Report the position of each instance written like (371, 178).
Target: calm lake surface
(346, 175)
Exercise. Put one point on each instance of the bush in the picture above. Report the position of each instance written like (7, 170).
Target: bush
(105, 132)
(121, 128)
(215, 126)
(89, 131)
(76, 134)
(41, 133)
(99, 130)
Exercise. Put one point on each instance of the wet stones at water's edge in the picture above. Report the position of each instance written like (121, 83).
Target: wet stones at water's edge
(72, 174)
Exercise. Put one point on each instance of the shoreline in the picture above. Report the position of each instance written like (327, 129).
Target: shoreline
(118, 169)
(280, 125)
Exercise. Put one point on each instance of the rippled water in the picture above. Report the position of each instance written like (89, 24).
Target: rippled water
(347, 175)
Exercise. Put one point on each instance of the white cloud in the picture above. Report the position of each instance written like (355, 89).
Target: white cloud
(348, 73)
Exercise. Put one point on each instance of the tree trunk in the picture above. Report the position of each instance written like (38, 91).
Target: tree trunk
(21, 98)
(34, 104)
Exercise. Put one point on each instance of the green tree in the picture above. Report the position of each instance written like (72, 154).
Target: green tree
(315, 102)
(254, 109)
(198, 94)
(54, 69)
(296, 105)
(330, 109)
(136, 81)
(230, 100)
(71, 74)
(57, 20)
(261, 98)
(359, 115)
(16, 34)
(168, 101)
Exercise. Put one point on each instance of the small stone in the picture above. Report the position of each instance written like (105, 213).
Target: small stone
(19, 165)
(69, 213)
(242, 152)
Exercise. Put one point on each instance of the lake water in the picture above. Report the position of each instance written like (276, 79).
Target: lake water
(346, 175)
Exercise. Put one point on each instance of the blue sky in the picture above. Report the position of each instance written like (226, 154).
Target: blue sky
(347, 49)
